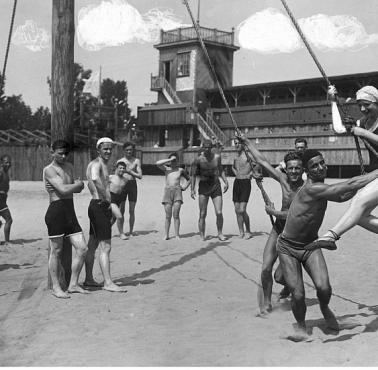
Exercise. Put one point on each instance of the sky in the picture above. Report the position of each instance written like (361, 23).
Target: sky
(119, 35)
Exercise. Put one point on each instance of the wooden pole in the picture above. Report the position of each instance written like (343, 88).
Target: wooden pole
(62, 89)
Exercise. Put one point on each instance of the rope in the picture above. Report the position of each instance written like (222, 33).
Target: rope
(220, 88)
(8, 46)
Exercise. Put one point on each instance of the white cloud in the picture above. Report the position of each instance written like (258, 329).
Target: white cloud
(115, 22)
(31, 36)
(271, 32)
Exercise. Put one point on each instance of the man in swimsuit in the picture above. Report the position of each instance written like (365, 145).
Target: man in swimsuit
(172, 199)
(61, 219)
(366, 200)
(300, 145)
(303, 221)
(290, 181)
(133, 172)
(117, 194)
(100, 215)
(5, 164)
(208, 167)
(241, 191)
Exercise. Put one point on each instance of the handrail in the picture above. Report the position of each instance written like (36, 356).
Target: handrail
(159, 82)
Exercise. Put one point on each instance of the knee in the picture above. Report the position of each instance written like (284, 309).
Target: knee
(324, 293)
(297, 295)
(82, 250)
(203, 214)
(176, 215)
(219, 214)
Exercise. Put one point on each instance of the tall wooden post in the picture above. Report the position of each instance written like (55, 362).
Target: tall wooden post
(62, 88)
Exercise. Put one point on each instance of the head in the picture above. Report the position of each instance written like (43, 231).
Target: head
(104, 148)
(60, 149)
(207, 146)
(314, 164)
(367, 99)
(300, 144)
(128, 149)
(174, 157)
(238, 145)
(294, 167)
(5, 161)
(120, 168)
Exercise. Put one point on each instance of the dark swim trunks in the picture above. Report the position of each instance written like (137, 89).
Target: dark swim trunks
(241, 190)
(61, 219)
(117, 198)
(130, 191)
(211, 188)
(3, 201)
(100, 215)
(293, 248)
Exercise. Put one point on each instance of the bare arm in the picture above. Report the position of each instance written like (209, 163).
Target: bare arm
(270, 210)
(161, 163)
(234, 168)
(57, 183)
(186, 176)
(366, 134)
(341, 191)
(193, 179)
(138, 170)
(97, 179)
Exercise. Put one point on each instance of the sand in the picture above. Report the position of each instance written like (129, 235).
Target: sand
(189, 303)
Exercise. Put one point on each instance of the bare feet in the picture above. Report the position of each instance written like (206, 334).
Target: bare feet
(247, 235)
(177, 237)
(221, 237)
(203, 236)
(300, 335)
(241, 235)
(123, 236)
(91, 283)
(166, 237)
(330, 319)
(76, 289)
(58, 293)
(114, 288)
(265, 311)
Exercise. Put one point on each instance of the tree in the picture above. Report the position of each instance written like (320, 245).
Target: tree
(14, 113)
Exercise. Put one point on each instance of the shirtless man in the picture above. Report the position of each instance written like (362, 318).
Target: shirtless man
(303, 221)
(117, 194)
(61, 219)
(133, 172)
(100, 214)
(290, 181)
(366, 200)
(209, 168)
(5, 164)
(172, 199)
(242, 189)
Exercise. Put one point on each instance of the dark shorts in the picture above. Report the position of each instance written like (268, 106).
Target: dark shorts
(293, 249)
(172, 194)
(241, 190)
(279, 225)
(3, 201)
(117, 198)
(61, 219)
(100, 215)
(210, 188)
(130, 191)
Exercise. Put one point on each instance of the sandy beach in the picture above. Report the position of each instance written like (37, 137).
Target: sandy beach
(188, 302)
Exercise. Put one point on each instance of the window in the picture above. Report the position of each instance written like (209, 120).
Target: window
(183, 64)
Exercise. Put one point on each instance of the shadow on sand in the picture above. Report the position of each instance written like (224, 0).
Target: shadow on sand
(7, 266)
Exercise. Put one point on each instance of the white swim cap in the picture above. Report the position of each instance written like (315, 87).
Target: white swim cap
(369, 93)
(104, 140)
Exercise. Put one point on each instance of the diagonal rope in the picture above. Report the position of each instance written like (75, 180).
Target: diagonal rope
(221, 92)
(303, 37)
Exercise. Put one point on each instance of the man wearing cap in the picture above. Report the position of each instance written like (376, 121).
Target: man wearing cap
(208, 167)
(100, 215)
(303, 221)
(359, 212)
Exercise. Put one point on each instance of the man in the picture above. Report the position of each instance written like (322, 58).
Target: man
(117, 184)
(366, 200)
(100, 214)
(290, 181)
(208, 167)
(61, 219)
(241, 191)
(172, 199)
(300, 145)
(303, 221)
(5, 164)
(133, 172)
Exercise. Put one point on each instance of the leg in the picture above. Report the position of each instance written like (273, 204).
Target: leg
(203, 200)
(243, 209)
(56, 246)
(218, 204)
(78, 241)
(121, 220)
(269, 257)
(292, 272)
(118, 216)
(239, 219)
(89, 261)
(317, 269)
(8, 223)
(369, 223)
(168, 216)
(176, 218)
(104, 258)
(279, 278)
(131, 216)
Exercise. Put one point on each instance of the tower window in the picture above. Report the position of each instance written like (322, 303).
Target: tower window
(183, 64)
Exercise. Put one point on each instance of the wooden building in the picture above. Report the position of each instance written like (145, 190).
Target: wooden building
(189, 106)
